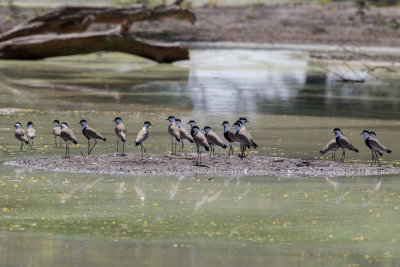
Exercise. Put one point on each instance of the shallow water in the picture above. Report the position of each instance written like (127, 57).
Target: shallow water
(292, 105)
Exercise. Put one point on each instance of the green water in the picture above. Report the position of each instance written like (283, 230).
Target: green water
(61, 219)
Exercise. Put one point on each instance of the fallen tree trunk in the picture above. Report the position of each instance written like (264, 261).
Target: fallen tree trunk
(52, 45)
(61, 32)
(69, 19)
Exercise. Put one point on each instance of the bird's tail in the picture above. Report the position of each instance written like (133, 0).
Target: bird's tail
(177, 139)
(224, 146)
(104, 139)
(123, 139)
(254, 144)
(75, 142)
(191, 141)
(207, 148)
(26, 142)
(137, 143)
(389, 151)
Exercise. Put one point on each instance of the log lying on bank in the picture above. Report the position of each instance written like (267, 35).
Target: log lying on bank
(67, 26)
(51, 45)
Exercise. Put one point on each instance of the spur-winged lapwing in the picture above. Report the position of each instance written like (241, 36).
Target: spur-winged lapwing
(343, 143)
(200, 140)
(68, 136)
(120, 131)
(330, 146)
(90, 133)
(374, 145)
(20, 134)
(142, 136)
(173, 130)
(229, 136)
(213, 139)
(31, 133)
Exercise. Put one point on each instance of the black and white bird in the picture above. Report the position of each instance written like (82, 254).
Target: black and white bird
(174, 131)
(184, 134)
(68, 136)
(120, 132)
(90, 133)
(330, 146)
(142, 136)
(20, 134)
(229, 136)
(374, 145)
(343, 143)
(244, 137)
(213, 139)
(31, 133)
(200, 140)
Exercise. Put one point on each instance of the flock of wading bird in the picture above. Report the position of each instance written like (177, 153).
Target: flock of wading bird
(207, 140)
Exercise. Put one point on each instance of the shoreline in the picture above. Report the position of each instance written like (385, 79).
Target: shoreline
(167, 165)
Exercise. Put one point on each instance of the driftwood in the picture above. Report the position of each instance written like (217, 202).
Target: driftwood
(61, 32)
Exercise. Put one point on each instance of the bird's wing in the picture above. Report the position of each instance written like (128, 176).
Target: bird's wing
(91, 133)
(185, 134)
(173, 130)
(345, 143)
(142, 136)
(376, 145)
(201, 140)
(330, 146)
(212, 138)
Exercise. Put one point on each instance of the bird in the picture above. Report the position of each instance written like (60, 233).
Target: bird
(90, 133)
(200, 140)
(184, 134)
(375, 146)
(68, 135)
(244, 121)
(243, 138)
(56, 131)
(330, 146)
(20, 134)
(213, 139)
(229, 136)
(31, 133)
(173, 130)
(120, 131)
(343, 143)
(142, 136)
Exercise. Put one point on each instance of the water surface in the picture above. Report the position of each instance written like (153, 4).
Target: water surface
(292, 104)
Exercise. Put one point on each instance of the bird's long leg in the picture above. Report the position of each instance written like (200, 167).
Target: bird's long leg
(175, 147)
(117, 144)
(230, 148)
(211, 147)
(123, 148)
(55, 141)
(95, 143)
(21, 145)
(141, 149)
(200, 154)
(31, 144)
(172, 146)
(377, 158)
(343, 155)
(88, 147)
(60, 141)
(372, 159)
(182, 146)
(66, 150)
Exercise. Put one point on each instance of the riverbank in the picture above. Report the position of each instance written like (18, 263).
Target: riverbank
(167, 165)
